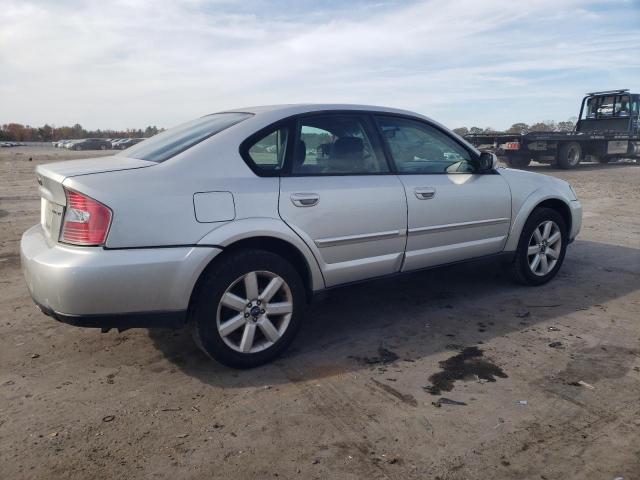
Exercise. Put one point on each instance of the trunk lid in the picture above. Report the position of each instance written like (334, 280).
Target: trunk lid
(50, 185)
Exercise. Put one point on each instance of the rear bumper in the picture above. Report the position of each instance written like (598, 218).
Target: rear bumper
(121, 321)
(96, 287)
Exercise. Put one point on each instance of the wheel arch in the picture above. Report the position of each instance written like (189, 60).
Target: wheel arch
(280, 247)
(264, 234)
(531, 204)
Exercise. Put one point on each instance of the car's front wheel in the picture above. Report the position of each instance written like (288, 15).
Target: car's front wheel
(541, 248)
(247, 308)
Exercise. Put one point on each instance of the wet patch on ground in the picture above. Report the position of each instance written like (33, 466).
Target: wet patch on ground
(468, 364)
(3, 213)
(599, 363)
(384, 357)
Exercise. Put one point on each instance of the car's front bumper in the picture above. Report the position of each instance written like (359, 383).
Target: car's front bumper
(576, 219)
(96, 287)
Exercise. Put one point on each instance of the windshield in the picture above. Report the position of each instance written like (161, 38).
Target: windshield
(609, 106)
(178, 139)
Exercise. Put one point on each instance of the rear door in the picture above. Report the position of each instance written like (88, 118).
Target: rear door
(342, 199)
(454, 212)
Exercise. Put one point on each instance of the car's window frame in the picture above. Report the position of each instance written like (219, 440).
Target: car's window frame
(373, 130)
(474, 158)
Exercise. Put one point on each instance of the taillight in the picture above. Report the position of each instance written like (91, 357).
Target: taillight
(86, 221)
(512, 146)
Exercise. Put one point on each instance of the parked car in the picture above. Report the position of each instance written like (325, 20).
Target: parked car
(70, 143)
(128, 142)
(89, 144)
(204, 226)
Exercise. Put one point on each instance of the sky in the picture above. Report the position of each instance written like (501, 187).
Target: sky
(132, 63)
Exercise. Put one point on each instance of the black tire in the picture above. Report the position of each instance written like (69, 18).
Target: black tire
(518, 160)
(520, 269)
(103, 147)
(216, 280)
(77, 148)
(569, 155)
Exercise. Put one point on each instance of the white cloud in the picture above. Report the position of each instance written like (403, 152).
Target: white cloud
(133, 63)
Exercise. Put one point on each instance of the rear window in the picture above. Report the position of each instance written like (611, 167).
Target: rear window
(178, 139)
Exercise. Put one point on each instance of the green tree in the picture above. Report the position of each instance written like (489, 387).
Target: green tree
(540, 127)
(518, 128)
(150, 131)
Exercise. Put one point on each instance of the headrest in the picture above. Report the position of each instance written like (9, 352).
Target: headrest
(348, 146)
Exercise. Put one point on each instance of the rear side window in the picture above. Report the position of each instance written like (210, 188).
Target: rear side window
(178, 139)
(336, 144)
(267, 154)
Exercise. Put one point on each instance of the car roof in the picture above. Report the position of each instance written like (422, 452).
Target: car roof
(293, 109)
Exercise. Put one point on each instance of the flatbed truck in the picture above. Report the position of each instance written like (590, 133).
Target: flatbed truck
(608, 128)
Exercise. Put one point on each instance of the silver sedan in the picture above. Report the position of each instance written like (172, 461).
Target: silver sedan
(230, 223)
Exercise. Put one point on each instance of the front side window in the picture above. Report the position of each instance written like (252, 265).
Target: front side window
(336, 144)
(178, 139)
(419, 148)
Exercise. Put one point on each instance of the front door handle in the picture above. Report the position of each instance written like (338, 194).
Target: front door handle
(425, 193)
(305, 199)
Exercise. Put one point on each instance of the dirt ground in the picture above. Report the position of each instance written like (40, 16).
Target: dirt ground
(354, 397)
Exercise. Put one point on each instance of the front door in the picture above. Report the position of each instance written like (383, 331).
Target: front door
(454, 212)
(341, 198)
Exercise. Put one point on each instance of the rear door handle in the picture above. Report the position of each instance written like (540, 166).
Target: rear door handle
(305, 199)
(425, 193)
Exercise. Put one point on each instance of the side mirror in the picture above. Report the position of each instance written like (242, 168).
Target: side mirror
(488, 161)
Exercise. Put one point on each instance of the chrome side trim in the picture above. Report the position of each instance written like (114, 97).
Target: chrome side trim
(365, 237)
(457, 226)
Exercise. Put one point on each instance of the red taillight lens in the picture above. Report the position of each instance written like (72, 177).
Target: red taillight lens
(86, 222)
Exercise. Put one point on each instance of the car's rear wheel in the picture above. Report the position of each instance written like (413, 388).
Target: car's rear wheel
(248, 308)
(541, 248)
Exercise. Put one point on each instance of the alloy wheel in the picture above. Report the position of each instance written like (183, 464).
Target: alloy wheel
(254, 312)
(544, 248)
